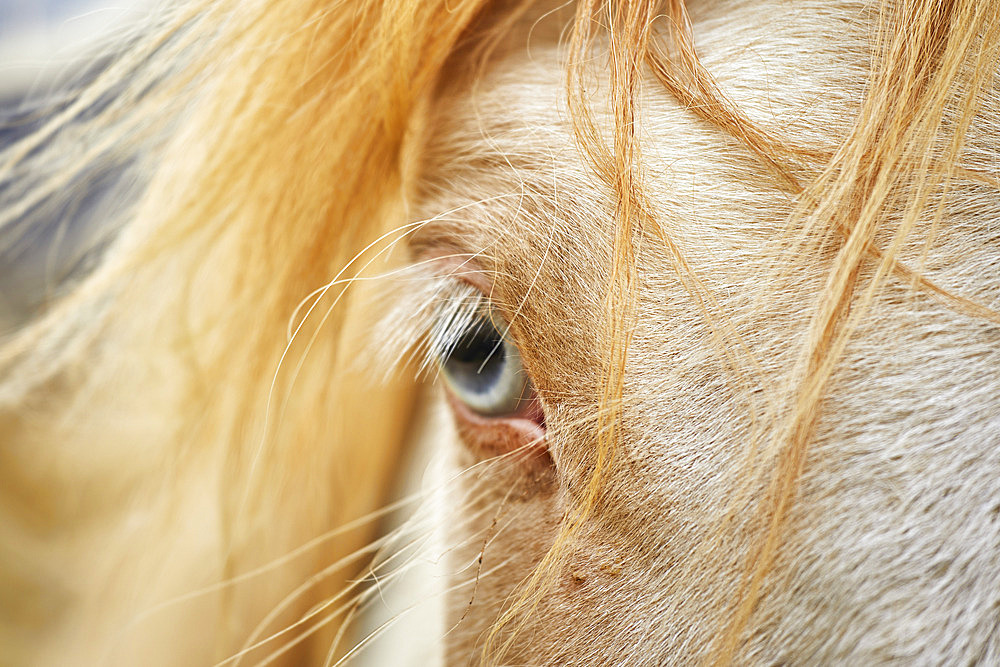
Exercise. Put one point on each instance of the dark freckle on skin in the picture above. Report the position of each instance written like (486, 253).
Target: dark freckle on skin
(613, 569)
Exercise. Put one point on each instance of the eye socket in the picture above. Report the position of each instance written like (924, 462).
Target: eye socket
(483, 369)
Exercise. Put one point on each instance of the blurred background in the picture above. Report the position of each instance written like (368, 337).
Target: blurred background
(41, 39)
(44, 46)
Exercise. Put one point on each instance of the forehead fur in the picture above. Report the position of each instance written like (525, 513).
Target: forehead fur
(537, 220)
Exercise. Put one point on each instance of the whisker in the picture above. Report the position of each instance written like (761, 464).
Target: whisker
(251, 643)
(403, 231)
(387, 624)
(267, 567)
(281, 360)
(313, 613)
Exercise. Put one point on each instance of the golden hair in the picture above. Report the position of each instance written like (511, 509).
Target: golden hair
(284, 136)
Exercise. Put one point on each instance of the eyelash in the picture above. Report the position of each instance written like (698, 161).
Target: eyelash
(457, 307)
(429, 313)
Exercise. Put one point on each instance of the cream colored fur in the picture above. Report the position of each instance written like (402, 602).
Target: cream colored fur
(894, 545)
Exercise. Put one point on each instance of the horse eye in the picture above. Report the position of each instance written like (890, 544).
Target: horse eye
(483, 369)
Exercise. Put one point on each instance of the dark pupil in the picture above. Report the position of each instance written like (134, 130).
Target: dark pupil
(477, 359)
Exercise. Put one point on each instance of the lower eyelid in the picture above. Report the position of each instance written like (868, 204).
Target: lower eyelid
(521, 436)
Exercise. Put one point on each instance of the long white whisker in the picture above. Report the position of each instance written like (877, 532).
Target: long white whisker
(404, 230)
(251, 644)
(387, 624)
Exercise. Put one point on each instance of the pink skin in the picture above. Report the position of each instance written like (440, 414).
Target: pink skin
(497, 436)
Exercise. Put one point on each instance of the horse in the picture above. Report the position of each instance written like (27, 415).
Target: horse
(694, 303)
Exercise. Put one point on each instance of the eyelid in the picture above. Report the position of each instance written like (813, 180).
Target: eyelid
(448, 262)
(462, 267)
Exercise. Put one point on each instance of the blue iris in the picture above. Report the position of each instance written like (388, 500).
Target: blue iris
(483, 369)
